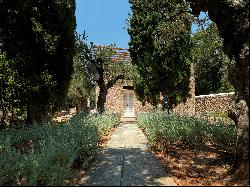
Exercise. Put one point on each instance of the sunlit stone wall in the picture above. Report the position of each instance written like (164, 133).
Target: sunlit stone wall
(196, 105)
(213, 102)
(114, 100)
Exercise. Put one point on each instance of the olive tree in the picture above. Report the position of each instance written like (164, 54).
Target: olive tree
(232, 20)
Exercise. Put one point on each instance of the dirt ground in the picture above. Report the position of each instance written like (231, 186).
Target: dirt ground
(206, 166)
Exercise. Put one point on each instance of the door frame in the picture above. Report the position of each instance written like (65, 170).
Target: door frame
(124, 111)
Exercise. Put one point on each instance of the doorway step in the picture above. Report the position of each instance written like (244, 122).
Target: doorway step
(124, 119)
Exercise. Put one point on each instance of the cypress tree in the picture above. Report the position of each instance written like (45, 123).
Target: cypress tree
(39, 37)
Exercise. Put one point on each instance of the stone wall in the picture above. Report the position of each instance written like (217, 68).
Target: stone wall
(213, 102)
(114, 100)
(196, 105)
(140, 108)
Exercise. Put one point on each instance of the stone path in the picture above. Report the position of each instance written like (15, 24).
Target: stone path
(125, 161)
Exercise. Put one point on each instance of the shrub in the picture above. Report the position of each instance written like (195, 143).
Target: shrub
(45, 154)
(163, 129)
(105, 122)
(214, 117)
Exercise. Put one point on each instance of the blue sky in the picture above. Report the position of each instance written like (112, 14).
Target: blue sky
(104, 21)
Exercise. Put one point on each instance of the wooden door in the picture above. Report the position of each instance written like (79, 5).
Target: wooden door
(128, 103)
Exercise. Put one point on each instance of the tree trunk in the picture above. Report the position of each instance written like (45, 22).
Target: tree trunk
(4, 112)
(239, 110)
(34, 114)
(3, 117)
(101, 97)
(103, 88)
(104, 91)
(81, 104)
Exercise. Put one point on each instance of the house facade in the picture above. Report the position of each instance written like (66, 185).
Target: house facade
(121, 99)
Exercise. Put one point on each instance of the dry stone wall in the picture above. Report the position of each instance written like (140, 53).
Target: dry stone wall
(213, 102)
(197, 105)
(114, 100)
(140, 108)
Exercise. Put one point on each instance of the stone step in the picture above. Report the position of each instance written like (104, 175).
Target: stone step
(128, 119)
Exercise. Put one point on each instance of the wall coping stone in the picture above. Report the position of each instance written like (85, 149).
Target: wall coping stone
(215, 95)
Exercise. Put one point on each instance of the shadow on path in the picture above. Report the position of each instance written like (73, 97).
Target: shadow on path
(126, 162)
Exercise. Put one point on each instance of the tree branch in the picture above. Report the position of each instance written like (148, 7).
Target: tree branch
(198, 6)
(111, 82)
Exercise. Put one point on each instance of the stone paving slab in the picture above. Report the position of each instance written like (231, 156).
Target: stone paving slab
(126, 161)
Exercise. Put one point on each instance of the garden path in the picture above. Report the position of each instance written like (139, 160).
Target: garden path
(126, 161)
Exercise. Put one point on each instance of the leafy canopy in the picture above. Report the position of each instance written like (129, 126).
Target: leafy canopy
(39, 37)
(160, 48)
(210, 62)
(82, 82)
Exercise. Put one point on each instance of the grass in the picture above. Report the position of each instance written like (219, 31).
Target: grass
(48, 154)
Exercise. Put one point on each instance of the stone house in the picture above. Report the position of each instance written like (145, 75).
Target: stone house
(121, 99)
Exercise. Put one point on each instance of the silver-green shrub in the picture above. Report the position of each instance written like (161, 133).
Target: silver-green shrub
(44, 154)
(171, 128)
(105, 122)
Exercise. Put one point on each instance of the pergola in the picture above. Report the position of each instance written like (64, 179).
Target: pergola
(121, 55)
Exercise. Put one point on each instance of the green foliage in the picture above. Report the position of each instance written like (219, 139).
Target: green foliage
(210, 62)
(10, 84)
(217, 116)
(46, 154)
(105, 122)
(89, 56)
(94, 64)
(111, 68)
(163, 129)
(160, 47)
(39, 37)
(82, 84)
